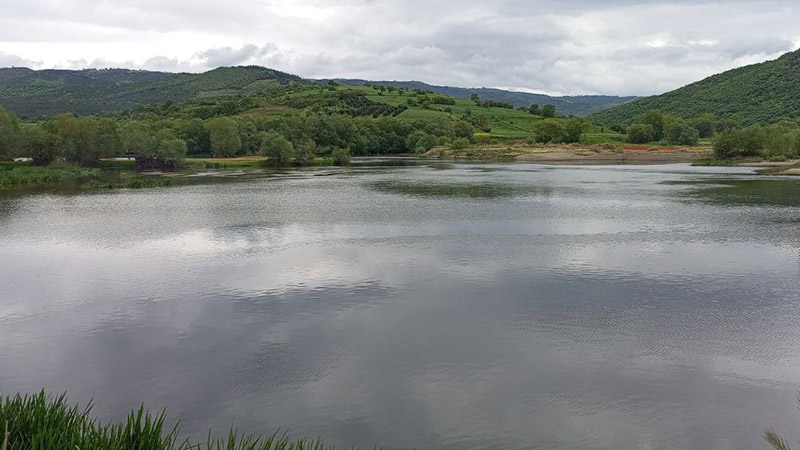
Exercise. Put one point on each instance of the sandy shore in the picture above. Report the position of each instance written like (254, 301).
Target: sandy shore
(603, 157)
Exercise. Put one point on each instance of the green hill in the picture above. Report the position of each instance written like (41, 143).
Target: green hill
(578, 105)
(45, 92)
(761, 93)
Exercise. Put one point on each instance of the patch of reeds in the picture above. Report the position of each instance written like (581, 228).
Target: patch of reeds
(46, 422)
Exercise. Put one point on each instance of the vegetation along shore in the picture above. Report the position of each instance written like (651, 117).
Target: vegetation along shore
(253, 112)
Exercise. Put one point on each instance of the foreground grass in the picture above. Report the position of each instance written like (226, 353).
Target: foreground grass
(46, 422)
(15, 174)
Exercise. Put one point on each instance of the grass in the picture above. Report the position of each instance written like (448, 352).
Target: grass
(713, 162)
(47, 422)
(15, 174)
(449, 190)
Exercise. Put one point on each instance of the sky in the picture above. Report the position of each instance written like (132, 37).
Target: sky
(561, 47)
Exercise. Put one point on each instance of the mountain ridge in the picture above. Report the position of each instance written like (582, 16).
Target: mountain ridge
(766, 92)
(30, 93)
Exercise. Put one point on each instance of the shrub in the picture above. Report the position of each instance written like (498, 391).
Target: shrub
(460, 143)
(640, 133)
(278, 150)
(340, 156)
(735, 143)
(681, 133)
(549, 130)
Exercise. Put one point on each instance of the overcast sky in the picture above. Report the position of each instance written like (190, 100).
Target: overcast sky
(552, 46)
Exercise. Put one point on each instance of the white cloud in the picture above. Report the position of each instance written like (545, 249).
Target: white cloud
(566, 46)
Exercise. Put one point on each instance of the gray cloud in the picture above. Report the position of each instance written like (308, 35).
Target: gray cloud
(564, 46)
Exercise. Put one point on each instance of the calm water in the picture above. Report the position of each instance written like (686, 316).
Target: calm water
(434, 306)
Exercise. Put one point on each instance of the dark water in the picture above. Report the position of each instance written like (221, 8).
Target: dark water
(447, 306)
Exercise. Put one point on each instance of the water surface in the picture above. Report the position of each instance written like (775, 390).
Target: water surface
(447, 306)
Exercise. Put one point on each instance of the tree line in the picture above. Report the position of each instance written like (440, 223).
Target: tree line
(159, 141)
(730, 138)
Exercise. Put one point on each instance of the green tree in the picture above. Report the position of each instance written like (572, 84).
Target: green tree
(548, 111)
(197, 137)
(306, 152)
(534, 109)
(39, 144)
(705, 125)
(109, 139)
(419, 141)
(655, 119)
(78, 137)
(640, 133)
(224, 134)
(678, 132)
(278, 150)
(549, 130)
(735, 143)
(460, 143)
(341, 156)
(9, 134)
(574, 129)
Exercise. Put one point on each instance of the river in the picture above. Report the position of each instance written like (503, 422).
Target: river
(441, 305)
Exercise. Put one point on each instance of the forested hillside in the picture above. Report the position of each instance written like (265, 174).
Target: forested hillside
(577, 105)
(30, 93)
(761, 93)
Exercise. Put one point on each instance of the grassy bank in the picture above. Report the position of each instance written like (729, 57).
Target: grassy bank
(15, 174)
(46, 422)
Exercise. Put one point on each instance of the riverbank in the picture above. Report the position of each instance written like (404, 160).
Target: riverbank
(600, 154)
(50, 422)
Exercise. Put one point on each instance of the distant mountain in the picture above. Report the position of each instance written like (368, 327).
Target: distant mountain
(761, 93)
(33, 92)
(30, 93)
(581, 105)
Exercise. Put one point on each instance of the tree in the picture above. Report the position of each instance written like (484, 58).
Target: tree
(534, 109)
(78, 138)
(224, 134)
(278, 150)
(655, 119)
(341, 156)
(678, 132)
(419, 141)
(640, 133)
(735, 143)
(705, 125)
(732, 122)
(548, 111)
(549, 130)
(306, 152)
(109, 140)
(39, 144)
(197, 137)
(573, 129)
(9, 134)
(475, 98)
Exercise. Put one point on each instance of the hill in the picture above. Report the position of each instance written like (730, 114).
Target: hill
(579, 105)
(45, 92)
(761, 93)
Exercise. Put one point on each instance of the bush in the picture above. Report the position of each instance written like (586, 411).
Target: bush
(278, 150)
(341, 156)
(640, 133)
(736, 143)
(460, 143)
(681, 133)
(573, 129)
(40, 145)
(305, 152)
(549, 130)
